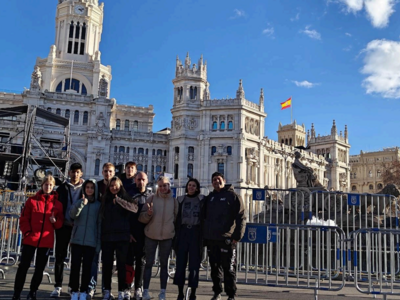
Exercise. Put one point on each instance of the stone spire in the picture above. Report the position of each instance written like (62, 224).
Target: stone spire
(334, 129)
(262, 97)
(187, 61)
(240, 91)
(308, 137)
(312, 131)
(346, 134)
(200, 61)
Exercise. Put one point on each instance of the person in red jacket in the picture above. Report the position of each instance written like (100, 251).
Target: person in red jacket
(41, 215)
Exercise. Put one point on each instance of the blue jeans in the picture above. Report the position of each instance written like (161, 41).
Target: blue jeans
(163, 252)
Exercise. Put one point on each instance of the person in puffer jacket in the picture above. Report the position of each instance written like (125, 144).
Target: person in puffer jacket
(85, 238)
(41, 215)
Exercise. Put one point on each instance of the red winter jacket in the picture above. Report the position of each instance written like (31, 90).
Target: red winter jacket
(37, 230)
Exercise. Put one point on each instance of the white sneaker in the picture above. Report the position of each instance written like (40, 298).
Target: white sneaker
(146, 295)
(107, 295)
(83, 296)
(121, 295)
(90, 295)
(127, 295)
(56, 293)
(161, 296)
(138, 294)
(74, 296)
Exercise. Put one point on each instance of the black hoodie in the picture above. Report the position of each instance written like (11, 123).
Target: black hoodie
(224, 215)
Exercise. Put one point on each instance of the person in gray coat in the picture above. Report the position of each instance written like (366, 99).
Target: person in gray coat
(85, 238)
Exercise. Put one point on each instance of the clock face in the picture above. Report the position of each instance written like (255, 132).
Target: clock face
(79, 9)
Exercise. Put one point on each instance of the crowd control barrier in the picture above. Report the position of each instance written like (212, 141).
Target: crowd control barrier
(292, 256)
(376, 260)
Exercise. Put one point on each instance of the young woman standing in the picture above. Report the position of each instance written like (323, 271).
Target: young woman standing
(41, 215)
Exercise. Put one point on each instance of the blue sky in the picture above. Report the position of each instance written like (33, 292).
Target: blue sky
(338, 59)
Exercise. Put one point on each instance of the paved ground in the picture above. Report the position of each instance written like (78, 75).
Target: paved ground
(204, 292)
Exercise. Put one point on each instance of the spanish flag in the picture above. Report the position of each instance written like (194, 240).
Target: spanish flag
(286, 104)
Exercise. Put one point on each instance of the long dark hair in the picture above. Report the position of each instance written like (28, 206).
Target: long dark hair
(197, 186)
(108, 193)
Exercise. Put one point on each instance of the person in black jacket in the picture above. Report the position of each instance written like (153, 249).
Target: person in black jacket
(224, 226)
(115, 237)
(68, 193)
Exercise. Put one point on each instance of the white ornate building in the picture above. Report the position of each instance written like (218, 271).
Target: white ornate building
(206, 134)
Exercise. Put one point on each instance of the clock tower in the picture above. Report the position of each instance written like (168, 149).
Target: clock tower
(74, 62)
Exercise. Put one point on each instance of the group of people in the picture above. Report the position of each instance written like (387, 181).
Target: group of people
(120, 217)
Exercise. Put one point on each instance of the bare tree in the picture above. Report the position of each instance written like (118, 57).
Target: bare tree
(391, 173)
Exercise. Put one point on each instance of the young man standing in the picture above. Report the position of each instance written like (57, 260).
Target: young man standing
(128, 178)
(224, 226)
(68, 193)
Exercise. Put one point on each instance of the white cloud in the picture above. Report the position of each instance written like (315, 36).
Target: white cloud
(348, 48)
(269, 31)
(305, 84)
(348, 34)
(378, 11)
(311, 33)
(296, 18)
(238, 13)
(382, 66)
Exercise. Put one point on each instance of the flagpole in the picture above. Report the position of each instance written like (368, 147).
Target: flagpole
(291, 110)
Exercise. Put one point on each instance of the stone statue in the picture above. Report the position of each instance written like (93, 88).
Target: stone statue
(304, 175)
(103, 87)
(35, 79)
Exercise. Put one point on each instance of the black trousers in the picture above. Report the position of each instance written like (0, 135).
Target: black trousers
(63, 236)
(223, 265)
(42, 255)
(137, 257)
(121, 250)
(81, 255)
(188, 248)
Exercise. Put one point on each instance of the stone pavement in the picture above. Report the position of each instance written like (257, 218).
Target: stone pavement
(204, 291)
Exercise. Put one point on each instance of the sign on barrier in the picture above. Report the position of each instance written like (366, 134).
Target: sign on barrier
(259, 194)
(353, 199)
(259, 234)
(173, 190)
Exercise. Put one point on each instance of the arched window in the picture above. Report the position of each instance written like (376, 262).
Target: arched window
(74, 85)
(214, 125)
(222, 125)
(190, 170)
(115, 149)
(85, 118)
(191, 149)
(229, 150)
(71, 29)
(76, 42)
(191, 93)
(140, 151)
(147, 151)
(97, 167)
(371, 187)
(58, 111)
(135, 126)
(59, 88)
(49, 109)
(176, 149)
(134, 150)
(230, 125)
(126, 125)
(121, 149)
(158, 169)
(221, 168)
(282, 141)
(380, 186)
(139, 167)
(195, 92)
(76, 117)
(159, 152)
(354, 188)
(286, 141)
(67, 114)
(176, 171)
(290, 141)
(153, 152)
(118, 124)
(127, 150)
(213, 150)
(180, 93)
(77, 30)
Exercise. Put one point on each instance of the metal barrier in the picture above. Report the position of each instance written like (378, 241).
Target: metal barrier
(292, 256)
(379, 251)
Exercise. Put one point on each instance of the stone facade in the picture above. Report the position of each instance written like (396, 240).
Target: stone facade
(367, 169)
(206, 134)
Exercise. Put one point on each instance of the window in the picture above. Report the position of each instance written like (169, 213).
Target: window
(282, 141)
(354, 188)
(222, 125)
(290, 142)
(140, 167)
(190, 170)
(67, 114)
(158, 169)
(97, 167)
(135, 125)
(159, 152)
(380, 186)
(76, 33)
(214, 126)
(74, 85)
(191, 150)
(71, 30)
(164, 169)
(176, 171)
(126, 125)
(145, 169)
(176, 149)
(370, 173)
(213, 150)
(118, 124)
(59, 88)
(115, 149)
(153, 152)
(134, 150)
(85, 118)
(165, 152)
(121, 149)
(76, 117)
(49, 109)
(230, 125)
(180, 93)
(378, 174)
(286, 141)
(193, 93)
(354, 175)
(58, 111)
(140, 151)
(127, 150)
(229, 150)
(371, 187)
(147, 151)
(221, 168)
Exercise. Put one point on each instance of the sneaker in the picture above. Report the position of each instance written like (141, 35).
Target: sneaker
(161, 296)
(127, 295)
(31, 296)
(56, 293)
(146, 295)
(230, 298)
(74, 296)
(216, 297)
(90, 295)
(83, 296)
(107, 295)
(138, 294)
(69, 291)
(121, 295)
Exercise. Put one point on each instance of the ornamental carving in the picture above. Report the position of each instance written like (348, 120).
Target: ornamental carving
(192, 123)
(178, 122)
(100, 124)
(251, 126)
